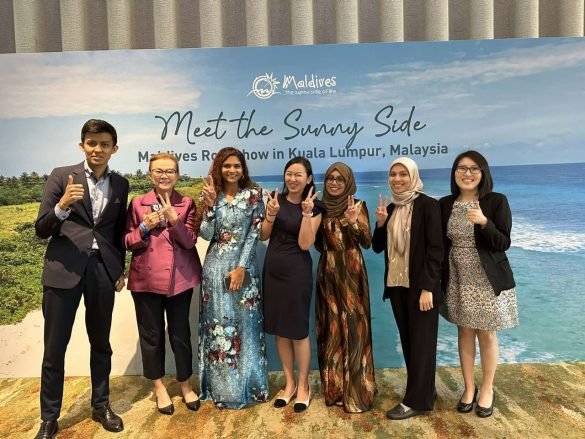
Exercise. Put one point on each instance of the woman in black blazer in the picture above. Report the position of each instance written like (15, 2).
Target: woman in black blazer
(409, 233)
(477, 278)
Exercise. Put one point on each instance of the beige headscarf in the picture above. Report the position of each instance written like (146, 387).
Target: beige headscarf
(403, 202)
(336, 205)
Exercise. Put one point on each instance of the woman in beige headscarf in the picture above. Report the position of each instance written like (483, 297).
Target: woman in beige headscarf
(409, 232)
(344, 338)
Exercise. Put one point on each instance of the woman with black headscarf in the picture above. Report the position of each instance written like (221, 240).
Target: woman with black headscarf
(344, 340)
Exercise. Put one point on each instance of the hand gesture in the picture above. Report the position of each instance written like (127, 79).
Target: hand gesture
(425, 301)
(307, 205)
(351, 213)
(73, 193)
(168, 211)
(381, 211)
(272, 206)
(209, 195)
(152, 220)
(475, 215)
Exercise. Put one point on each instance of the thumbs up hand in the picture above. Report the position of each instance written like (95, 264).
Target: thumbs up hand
(73, 193)
(475, 215)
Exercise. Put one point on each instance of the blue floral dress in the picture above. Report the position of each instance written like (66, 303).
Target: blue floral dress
(232, 350)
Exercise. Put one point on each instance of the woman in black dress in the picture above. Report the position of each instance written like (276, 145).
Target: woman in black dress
(292, 221)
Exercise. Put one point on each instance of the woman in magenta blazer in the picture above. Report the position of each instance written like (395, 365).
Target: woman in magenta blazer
(161, 231)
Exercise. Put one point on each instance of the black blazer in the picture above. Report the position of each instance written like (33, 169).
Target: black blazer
(491, 241)
(71, 240)
(426, 247)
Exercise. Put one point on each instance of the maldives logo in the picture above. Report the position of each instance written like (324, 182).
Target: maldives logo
(264, 86)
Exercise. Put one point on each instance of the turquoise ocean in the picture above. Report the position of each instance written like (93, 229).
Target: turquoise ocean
(547, 256)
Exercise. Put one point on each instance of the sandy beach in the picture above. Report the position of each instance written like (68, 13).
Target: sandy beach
(22, 344)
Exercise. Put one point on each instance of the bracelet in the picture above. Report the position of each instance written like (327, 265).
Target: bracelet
(144, 229)
(268, 221)
(308, 214)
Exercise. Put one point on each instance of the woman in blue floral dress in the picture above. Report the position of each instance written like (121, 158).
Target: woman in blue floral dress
(232, 351)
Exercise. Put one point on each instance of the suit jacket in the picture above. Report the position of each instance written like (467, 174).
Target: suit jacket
(167, 263)
(426, 247)
(491, 241)
(71, 240)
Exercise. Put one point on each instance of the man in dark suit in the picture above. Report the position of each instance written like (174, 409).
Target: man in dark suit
(83, 212)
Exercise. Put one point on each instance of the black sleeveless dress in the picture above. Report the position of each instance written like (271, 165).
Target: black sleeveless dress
(288, 274)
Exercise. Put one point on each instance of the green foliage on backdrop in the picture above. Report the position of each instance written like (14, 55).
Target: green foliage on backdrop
(28, 188)
(21, 252)
(24, 189)
(21, 262)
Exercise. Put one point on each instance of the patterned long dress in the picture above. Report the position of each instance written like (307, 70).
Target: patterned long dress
(470, 300)
(344, 339)
(232, 351)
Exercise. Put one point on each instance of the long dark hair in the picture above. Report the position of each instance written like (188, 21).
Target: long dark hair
(222, 156)
(308, 168)
(486, 183)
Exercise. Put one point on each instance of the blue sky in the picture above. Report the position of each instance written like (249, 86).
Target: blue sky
(517, 101)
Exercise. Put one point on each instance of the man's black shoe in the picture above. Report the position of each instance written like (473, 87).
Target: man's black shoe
(48, 430)
(109, 420)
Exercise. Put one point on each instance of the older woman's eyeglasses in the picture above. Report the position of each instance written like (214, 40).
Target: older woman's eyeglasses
(167, 172)
(473, 170)
(339, 179)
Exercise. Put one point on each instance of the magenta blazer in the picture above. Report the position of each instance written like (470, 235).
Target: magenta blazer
(167, 263)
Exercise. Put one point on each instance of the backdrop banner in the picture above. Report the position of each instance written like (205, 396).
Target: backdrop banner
(519, 102)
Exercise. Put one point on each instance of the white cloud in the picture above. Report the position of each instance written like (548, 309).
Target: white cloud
(134, 137)
(512, 63)
(453, 81)
(37, 86)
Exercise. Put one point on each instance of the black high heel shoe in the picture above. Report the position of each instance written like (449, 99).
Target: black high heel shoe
(193, 405)
(464, 407)
(486, 412)
(168, 410)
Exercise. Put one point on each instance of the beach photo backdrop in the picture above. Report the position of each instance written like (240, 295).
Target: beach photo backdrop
(521, 103)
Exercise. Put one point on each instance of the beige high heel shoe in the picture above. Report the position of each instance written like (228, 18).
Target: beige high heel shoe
(301, 406)
(282, 401)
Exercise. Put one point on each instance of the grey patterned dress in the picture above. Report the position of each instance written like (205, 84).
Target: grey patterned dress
(470, 300)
